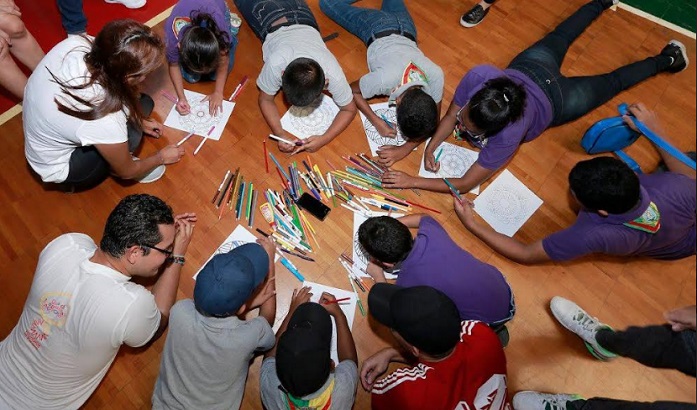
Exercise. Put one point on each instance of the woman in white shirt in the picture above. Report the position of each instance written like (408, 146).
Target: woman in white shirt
(84, 114)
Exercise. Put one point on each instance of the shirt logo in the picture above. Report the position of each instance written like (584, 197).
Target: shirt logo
(649, 221)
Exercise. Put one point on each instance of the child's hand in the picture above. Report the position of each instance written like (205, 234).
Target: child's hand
(397, 179)
(389, 154)
(385, 130)
(327, 300)
(465, 211)
(183, 107)
(311, 144)
(430, 161)
(215, 103)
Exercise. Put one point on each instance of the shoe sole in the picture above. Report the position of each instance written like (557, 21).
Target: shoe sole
(683, 50)
(470, 25)
(134, 5)
(154, 175)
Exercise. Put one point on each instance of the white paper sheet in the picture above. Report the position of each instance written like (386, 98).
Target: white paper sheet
(239, 236)
(199, 120)
(315, 119)
(506, 204)
(360, 259)
(375, 140)
(348, 307)
(454, 162)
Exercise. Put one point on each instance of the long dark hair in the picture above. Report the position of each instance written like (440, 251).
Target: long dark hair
(122, 52)
(202, 44)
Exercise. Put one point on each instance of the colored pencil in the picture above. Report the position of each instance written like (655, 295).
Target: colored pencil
(183, 140)
(220, 188)
(452, 188)
(239, 88)
(278, 165)
(169, 96)
(335, 301)
(250, 195)
(355, 292)
(277, 138)
(203, 141)
(266, 156)
(254, 206)
(389, 124)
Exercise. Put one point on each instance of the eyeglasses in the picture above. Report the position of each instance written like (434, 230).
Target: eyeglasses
(461, 132)
(164, 251)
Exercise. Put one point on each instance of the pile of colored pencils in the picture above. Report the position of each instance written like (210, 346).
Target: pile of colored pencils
(236, 195)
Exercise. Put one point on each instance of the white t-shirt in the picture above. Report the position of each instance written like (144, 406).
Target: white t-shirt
(51, 136)
(77, 315)
(387, 59)
(288, 43)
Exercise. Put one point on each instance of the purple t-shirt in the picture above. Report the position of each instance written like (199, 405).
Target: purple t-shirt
(181, 18)
(478, 289)
(537, 114)
(673, 195)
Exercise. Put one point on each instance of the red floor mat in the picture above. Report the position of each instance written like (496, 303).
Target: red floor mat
(43, 20)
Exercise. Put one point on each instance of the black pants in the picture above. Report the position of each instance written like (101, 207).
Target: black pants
(573, 97)
(88, 168)
(654, 346)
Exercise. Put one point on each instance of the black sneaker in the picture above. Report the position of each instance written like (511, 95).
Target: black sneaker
(474, 16)
(678, 56)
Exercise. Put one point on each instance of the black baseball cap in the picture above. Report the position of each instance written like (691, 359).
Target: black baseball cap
(425, 317)
(303, 360)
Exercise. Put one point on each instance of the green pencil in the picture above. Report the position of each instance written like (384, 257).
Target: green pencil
(438, 155)
(249, 199)
(355, 292)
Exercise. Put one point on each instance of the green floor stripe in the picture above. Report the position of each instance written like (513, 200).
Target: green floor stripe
(682, 13)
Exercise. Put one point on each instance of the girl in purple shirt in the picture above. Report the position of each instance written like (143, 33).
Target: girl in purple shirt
(497, 110)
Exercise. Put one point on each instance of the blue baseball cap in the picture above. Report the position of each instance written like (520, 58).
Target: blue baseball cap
(228, 280)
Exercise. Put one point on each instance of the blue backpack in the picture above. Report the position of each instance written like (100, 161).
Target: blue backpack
(613, 135)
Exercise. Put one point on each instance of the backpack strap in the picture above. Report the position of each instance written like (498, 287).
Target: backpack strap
(629, 161)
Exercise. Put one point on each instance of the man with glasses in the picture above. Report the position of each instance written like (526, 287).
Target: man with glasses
(82, 304)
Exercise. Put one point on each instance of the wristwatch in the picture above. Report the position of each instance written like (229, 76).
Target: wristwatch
(180, 259)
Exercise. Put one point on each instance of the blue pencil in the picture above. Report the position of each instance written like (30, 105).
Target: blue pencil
(389, 124)
(453, 189)
(275, 161)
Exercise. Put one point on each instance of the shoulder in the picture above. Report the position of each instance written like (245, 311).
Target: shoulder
(402, 380)
(70, 242)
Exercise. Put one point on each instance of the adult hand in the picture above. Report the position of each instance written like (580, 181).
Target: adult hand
(9, 7)
(287, 148)
(268, 245)
(328, 301)
(430, 160)
(374, 366)
(646, 116)
(215, 103)
(389, 154)
(683, 318)
(184, 226)
(183, 107)
(171, 154)
(300, 296)
(311, 144)
(397, 179)
(465, 211)
(152, 128)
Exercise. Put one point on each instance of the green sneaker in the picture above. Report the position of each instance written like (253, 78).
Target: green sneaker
(575, 319)
(532, 400)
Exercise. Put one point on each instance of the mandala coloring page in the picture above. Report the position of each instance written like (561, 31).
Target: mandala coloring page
(199, 121)
(454, 162)
(238, 237)
(506, 204)
(375, 140)
(315, 119)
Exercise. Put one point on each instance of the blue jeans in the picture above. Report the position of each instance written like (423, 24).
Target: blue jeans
(365, 23)
(72, 16)
(194, 78)
(261, 14)
(573, 97)
(654, 346)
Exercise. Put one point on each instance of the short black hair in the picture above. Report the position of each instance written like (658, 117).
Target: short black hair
(499, 103)
(202, 44)
(303, 81)
(605, 183)
(135, 221)
(385, 239)
(417, 115)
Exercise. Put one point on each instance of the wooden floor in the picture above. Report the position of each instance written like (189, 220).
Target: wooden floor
(541, 354)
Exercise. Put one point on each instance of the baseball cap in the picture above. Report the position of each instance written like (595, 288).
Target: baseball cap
(423, 316)
(228, 279)
(303, 359)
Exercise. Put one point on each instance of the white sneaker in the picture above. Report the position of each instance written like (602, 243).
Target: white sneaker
(131, 4)
(532, 400)
(153, 175)
(575, 319)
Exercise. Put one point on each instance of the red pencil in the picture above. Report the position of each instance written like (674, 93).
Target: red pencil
(283, 180)
(266, 157)
(329, 302)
